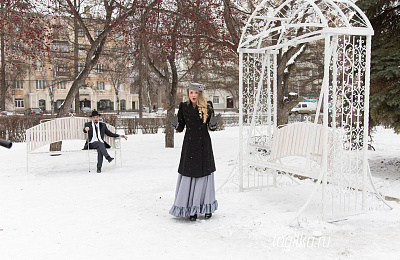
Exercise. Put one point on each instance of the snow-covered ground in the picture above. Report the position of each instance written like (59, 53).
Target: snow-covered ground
(61, 211)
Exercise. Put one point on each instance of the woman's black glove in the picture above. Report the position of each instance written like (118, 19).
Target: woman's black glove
(173, 119)
(215, 119)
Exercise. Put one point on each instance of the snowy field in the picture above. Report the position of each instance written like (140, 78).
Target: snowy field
(61, 211)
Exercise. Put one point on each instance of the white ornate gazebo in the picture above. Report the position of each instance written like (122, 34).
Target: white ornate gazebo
(333, 148)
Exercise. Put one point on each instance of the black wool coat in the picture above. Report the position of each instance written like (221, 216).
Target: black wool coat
(197, 159)
(103, 130)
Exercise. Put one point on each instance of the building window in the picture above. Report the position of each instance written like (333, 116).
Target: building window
(40, 84)
(62, 85)
(62, 68)
(60, 47)
(120, 86)
(81, 33)
(16, 28)
(42, 104)
(16, 45)
(229, 102)
(81, 50)
(216, 99)
(39, 66)
(105, 104)
(97, 32)
(122, 105)
(19, 103)
(59, 102)
(118, 36)
(100, 85)
(81, 66)
(59, 30)
(100, 68)
(19, 84)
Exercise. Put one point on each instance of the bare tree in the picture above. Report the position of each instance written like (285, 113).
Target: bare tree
(21, 35)
(111, 15)
(179, 39)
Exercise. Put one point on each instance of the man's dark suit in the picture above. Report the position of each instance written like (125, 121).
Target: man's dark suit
(101, 147)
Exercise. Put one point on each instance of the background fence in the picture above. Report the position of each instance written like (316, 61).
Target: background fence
(13, 127)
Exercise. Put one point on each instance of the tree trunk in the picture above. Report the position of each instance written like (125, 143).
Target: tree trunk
(282, 91)
(3, 89)
(51, 95)
(76, 46)
(77, 101)
(117, 94)
(148, 96)
(169, 131)
(140, 99)
(140, 83)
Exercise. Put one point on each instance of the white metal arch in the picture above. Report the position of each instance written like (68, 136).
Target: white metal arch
(343, 133)
(318, 17)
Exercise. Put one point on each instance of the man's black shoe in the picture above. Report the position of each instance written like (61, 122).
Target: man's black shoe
(109, 159)
(193, 218)
(207, 216)
(98, 170)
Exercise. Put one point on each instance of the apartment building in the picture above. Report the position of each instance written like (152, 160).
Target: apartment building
(48, 79)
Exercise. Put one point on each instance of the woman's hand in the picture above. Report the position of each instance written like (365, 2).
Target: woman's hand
(215, 119)
(173, 119)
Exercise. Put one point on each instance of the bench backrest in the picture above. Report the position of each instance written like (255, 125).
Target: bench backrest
(59, 129)
(298, 139)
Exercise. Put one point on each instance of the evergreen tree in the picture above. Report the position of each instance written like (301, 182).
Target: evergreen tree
(385, 64)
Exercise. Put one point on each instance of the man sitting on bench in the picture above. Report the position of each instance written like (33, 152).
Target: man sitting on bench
(96, 138)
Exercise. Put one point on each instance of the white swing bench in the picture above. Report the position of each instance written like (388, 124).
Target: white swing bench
(297, 139)
(63, 129)
(301, 140)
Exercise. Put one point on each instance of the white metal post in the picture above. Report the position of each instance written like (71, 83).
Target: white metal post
(325, 89)
(240, 121)
(334, 80)
(269, 130)
(366, 123)
(275, 86)
(27, 140)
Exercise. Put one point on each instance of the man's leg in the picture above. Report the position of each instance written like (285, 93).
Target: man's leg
(101, 151)
(99, 159)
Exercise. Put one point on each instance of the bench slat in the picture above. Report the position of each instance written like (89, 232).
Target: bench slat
(298, 139)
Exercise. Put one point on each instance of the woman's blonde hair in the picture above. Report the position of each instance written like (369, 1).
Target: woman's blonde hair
(201, 104)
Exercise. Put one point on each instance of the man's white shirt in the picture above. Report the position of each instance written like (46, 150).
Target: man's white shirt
(96, 138)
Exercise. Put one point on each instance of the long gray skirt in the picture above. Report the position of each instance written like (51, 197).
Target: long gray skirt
(194, 196)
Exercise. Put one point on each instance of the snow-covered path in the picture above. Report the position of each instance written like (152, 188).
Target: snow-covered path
(61, 211)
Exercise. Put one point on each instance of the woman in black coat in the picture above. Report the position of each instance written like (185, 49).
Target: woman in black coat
(195, 190)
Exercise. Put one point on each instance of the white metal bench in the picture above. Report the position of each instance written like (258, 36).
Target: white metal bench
(302, 140)
(297, 139)
(62, 129)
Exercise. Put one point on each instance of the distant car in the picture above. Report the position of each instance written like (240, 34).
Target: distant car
(33, 111)
(304, 108)
(71, 110)
(86, 110)
(3, 113)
